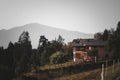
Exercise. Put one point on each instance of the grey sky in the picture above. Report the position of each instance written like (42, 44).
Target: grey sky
(87, 16)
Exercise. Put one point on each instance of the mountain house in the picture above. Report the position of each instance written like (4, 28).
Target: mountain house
(89, 49)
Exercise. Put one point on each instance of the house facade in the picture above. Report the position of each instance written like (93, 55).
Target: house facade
(89, 49)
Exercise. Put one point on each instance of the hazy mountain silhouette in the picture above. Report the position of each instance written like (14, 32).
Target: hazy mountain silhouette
(35, 30)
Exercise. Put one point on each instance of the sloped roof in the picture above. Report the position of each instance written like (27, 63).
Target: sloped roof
(88, 42)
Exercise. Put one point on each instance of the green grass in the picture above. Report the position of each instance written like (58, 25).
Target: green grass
(87, 74)
(111, 75)
(94, 74)
(63, 65)
(58, 66)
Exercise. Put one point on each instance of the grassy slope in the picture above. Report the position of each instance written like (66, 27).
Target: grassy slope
(58, 66)
(94, 74)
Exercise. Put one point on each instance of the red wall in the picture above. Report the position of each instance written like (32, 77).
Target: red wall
(101, 52)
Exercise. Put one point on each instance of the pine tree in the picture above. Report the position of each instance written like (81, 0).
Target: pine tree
(23, 52)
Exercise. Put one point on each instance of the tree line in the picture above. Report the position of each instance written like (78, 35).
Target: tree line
(19, 57)
(112, 38)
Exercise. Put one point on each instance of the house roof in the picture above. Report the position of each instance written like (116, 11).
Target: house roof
(88, 42)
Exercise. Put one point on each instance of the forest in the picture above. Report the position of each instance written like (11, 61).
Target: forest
(19, 57)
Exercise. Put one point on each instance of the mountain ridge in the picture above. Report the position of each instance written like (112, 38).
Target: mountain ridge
(35, 30)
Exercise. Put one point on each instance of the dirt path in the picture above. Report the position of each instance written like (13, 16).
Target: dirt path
(118, 78)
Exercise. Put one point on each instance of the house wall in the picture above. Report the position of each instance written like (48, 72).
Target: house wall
(101, 53)
(79, 54)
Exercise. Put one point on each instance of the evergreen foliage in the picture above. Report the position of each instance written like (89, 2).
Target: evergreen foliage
(113, 43)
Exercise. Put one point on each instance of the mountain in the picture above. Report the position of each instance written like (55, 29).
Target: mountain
(35, 30)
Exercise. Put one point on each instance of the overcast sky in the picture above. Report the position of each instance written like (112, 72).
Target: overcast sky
(87, 16)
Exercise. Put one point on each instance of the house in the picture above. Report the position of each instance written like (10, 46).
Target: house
(89, 49)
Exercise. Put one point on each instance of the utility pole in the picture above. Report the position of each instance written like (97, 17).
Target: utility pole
(74, 54)
(113, 66)
(106, 68)
(102, 73)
